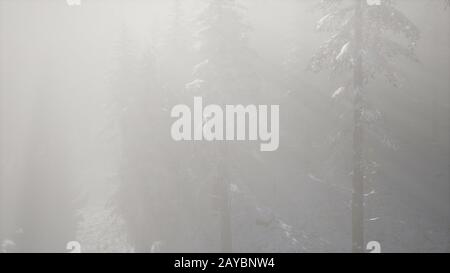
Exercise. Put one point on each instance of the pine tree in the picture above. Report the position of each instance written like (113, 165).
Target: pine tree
(176, 54)
(134, 196)
(175, 61)
(148, 181)
(361, 48)
(225, 74)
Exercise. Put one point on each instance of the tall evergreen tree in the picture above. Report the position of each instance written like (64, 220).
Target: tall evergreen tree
(175, 60)
(133, 197)
(145, 195)
(224, 75)
(360, 48)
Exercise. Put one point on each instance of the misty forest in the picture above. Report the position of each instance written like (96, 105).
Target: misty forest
(86, 153)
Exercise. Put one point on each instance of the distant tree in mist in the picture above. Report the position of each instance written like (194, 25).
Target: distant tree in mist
(150, 168)
(175, 56)
(47, 217)
(135, 81)
(225, 74)
(366, 38)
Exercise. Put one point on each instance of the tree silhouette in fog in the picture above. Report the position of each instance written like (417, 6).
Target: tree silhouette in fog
(47, 218)
(366, 38)
(224, 74)
(135, 200)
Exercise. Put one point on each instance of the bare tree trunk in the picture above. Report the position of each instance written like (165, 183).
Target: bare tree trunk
(358, 136)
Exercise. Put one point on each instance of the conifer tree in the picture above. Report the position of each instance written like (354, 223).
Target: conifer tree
(360, 48)
(225, 74)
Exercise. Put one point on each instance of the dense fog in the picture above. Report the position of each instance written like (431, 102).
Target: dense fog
(86, 153)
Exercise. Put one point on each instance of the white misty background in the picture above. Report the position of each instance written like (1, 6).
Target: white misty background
(86, 153)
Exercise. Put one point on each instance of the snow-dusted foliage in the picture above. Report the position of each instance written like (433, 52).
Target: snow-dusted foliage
(257, 228)
(387, 35)
(102, 230)
(368, 37)
(226, 67)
